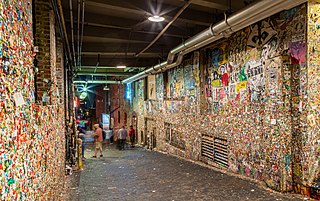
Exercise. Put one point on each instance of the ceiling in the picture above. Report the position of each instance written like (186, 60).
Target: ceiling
(118, 32)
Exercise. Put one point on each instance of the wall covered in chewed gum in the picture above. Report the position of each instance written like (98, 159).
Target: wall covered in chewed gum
(250, 94)
(32, 138)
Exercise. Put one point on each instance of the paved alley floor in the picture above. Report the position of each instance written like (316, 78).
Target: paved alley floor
(140, 175)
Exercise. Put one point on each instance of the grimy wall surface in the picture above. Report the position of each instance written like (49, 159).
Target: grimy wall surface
(31, 136)
(248, 103)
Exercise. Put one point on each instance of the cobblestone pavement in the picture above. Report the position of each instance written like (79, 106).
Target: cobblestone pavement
(140, 175)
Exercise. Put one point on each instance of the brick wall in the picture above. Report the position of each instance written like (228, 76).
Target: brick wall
(42, 40)
(100, 102)
(32, 136)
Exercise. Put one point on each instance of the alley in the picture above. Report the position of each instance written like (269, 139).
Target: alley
(138, 174)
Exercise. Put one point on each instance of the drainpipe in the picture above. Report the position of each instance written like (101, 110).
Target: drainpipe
(60, 15)
(82, 29)
(235, 22)
(72, 35)
(78, 30)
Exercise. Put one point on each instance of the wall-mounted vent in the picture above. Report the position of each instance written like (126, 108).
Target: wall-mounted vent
(221, 151)
(207, 148)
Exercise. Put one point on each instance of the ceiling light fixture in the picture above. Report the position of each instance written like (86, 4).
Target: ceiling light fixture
(156, 18)
(121, 66)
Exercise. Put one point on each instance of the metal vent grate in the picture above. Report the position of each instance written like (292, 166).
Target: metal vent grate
(221, 151)
(207, 148)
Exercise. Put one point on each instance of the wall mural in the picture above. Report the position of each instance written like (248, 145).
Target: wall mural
(256, 89)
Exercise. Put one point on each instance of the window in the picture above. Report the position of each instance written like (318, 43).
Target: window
(134, 89)
(165, 85)
(145, 89)
(174, 137)
(125, 118)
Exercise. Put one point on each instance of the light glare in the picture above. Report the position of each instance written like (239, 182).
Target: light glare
(156, 18)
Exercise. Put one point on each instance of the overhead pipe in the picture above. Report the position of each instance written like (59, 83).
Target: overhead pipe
(82, 29)
(249, 21)
(235, 22)
(78, 30)
(72, 33)
(145, 73)
(59, 12)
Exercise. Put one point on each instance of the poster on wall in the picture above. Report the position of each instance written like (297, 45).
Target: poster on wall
(273, 70)
(176, 83)
(152, 87)
(159, 86)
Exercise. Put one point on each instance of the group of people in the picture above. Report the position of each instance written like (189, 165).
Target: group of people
(98, 139)
(122, 137)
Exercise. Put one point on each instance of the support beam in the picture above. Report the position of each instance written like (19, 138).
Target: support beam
(105, 74)
(97, 82)
(122, 54)
(109, 67)
(130, 13)
(129, 28)
(209, 4)
(110, 40)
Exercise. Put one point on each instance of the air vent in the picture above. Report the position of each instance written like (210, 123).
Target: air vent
(207, 148)
(221, 151)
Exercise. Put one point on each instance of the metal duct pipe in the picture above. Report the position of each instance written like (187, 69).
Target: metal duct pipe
(144, 73)
(247, 22)
(235, 22)
(178, 62)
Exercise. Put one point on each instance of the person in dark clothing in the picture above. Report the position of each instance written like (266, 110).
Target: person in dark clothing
(82, 137)
(132, 135)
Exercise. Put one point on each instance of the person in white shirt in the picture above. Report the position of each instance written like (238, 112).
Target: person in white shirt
(122, 136)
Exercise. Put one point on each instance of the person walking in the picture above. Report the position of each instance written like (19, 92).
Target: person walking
(132, 135)
(122, 135)
(97, 140)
